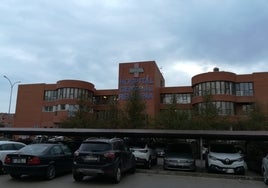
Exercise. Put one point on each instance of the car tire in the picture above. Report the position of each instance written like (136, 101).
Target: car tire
(50, 172)
(149, 163)
(78, 177)
(265, 178)
(117, 174)
(133, 169)
(15, 176)
(1, 168)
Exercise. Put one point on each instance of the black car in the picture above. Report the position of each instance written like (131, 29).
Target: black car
(108, 157)
(46, 160)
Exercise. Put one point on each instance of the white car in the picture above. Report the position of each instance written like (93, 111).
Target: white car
(264, 168)
(144, 155)
(225, 158)
(8, 147)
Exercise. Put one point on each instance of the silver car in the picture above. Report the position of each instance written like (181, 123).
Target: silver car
(179, 156)
(264, 168)
(7, 147)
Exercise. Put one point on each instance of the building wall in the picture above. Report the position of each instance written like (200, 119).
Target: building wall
(32, 102)
(146, 76)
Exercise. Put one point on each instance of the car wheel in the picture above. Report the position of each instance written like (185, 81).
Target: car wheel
(133, 169)
(51, 172)
(15, 176)
(1, 168)
(149, 163)
(78, 177)
(117, 175)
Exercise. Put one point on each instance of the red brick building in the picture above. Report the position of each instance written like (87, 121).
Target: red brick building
(45, 105)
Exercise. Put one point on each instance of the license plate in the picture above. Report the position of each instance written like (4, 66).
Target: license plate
(230, 171)
(91, 158)
(20, 161)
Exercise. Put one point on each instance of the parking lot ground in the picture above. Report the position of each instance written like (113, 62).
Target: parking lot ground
(200, 172)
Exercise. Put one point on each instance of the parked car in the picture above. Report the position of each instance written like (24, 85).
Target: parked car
(101, 156)
(145, 154)
(179, 156)
(264, 168)
(8, 147)
(225, 158)
(46, 160)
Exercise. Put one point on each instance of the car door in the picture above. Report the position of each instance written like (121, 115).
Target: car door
(57, 156)
(126, 155)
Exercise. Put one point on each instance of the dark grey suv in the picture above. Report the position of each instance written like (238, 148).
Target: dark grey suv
(108, 157)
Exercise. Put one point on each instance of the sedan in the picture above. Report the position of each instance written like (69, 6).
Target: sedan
(46, 160)
(8, 147)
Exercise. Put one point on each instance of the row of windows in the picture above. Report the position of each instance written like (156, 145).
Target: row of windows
(223, 88)
(105, 100)
(213, 88)
(68, 93)
(175, 98)
(221, 107)
(60, 107)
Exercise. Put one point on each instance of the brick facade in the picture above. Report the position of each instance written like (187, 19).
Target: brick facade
(45, 105)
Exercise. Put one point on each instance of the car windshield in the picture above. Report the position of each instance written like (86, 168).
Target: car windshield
(95, 146)
(34, 149)
(222, 148)
(179, 148)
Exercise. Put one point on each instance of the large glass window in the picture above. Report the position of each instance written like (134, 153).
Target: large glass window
(105, 99)
(181, 98)
(222, 107)
(50, 95)
(244, 89)
(68, 93)
(214, 88)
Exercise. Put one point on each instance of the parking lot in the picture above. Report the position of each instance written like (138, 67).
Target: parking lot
(200, 172)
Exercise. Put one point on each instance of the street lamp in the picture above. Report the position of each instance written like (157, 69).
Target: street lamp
(11, 90)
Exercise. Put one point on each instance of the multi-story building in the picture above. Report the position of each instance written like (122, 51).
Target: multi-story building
(46, 105)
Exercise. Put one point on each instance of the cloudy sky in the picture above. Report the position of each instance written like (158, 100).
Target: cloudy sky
(43, 41)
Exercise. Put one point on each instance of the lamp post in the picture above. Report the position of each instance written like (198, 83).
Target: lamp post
(11, 90)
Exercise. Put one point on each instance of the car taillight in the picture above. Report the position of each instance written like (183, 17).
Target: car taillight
(33, 161)
(7, 160)
(109, 155)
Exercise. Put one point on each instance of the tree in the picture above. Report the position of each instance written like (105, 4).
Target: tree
(173, 117)
(135, 110)
(83, 116)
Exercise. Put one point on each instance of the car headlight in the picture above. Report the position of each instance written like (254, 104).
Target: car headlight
(212, 158)
(240, 159)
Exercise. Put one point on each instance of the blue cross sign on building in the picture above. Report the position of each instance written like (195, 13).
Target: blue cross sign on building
(136, 70)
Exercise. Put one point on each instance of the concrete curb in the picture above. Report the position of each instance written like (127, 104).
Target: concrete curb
(200, 174)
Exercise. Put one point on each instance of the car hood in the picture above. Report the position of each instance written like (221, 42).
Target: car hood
(179, 155)
(223, 156)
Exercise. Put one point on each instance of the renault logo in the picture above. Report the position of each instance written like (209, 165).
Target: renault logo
(227, 161)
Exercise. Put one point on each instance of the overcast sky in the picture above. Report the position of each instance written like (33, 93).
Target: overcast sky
(43, 41)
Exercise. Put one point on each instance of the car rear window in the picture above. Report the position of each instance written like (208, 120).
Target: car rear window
(222, 148)
(181, 148)
(95, 147)
(34, 149)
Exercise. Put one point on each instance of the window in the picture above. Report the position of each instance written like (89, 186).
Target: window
(48, 109)
(50, 95)
(222, 107)
(214, 88)
(244, 89)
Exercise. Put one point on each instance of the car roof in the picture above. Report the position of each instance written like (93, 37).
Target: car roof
(107, 140)
(8, 142)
